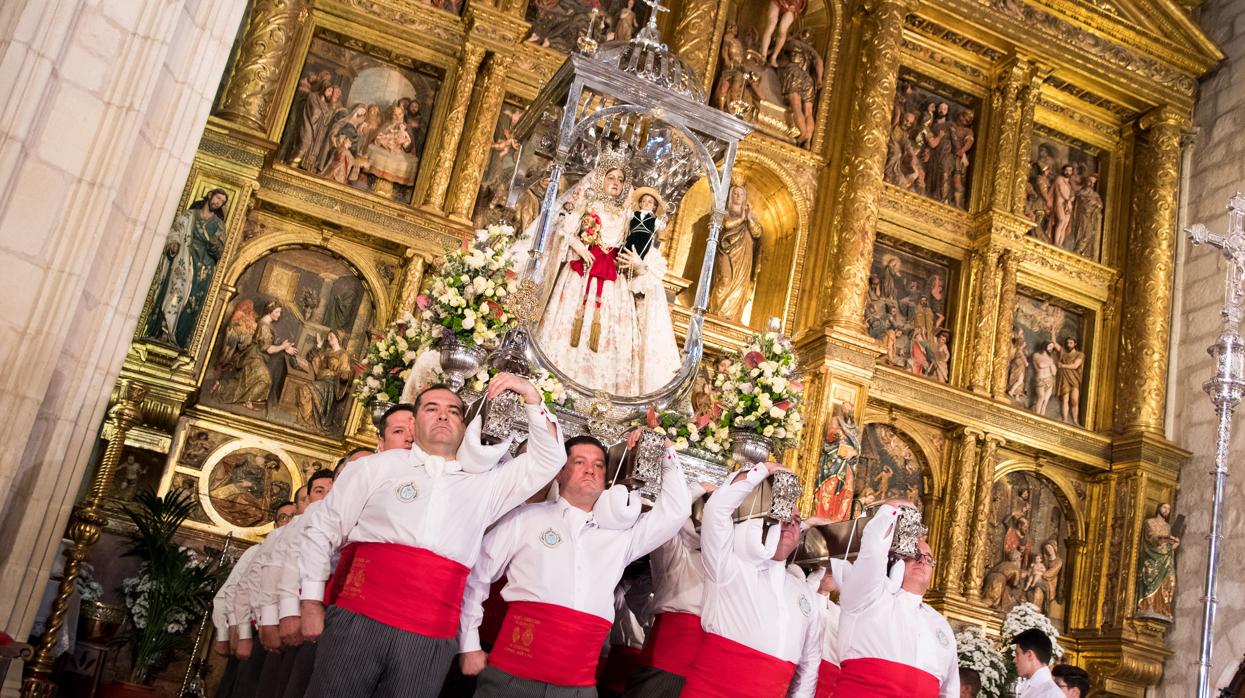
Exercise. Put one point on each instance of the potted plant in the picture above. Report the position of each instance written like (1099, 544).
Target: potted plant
(173, 587)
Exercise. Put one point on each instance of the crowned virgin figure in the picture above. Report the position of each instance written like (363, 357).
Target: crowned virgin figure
(607, 323)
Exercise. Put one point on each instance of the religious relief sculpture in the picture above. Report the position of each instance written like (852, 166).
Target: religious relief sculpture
(931, 144)
(1027, 537)
(558, 24)
(1156, 573)
(735, 267)
(1062, 197)
(906, 311)
(800, 74)
(187, 266)
(246, 486)
(780, 15)
(360, 121)
(836, 470)
(499, 173)
(1047, 365)
(889, 468)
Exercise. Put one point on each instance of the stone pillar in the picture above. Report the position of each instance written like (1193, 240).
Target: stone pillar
(263, 54)
(1141, 372)
(960, 501)
(452, 128)
(93, 154)
(863, 159)
(698, 35)
(1003, 330)
(977, 536)
(473, 157)
(985, 313)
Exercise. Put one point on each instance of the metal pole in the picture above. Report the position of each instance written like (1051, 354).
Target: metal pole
(1225, 390)
(194, 664)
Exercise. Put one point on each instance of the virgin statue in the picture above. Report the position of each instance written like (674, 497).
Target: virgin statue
(606, 323)
(734, 272)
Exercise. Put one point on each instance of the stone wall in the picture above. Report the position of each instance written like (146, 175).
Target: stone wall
(1217, 170)
(104, 103)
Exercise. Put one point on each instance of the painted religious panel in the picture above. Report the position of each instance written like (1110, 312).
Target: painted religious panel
(499, 173)
(137, 470)
(360, 117)
(889, 467)
(289, 342)
(1048, 360)
(245, 487)
(1028, 546)
(558, 24)
(930, 150)
(1063, 193)
(833, 493)
(190, 486)
(187, 266)
(907, 312)
(199, 444)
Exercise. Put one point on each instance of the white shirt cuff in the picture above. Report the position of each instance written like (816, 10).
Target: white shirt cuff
(289, 606)
(244, 631)
(222, 634)
(757, 473)
(470, 642)
(231, 619)
(268, 615)
(312, 591)
(538, 412)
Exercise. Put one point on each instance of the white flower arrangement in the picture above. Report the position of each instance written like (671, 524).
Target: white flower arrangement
(467, 295)
(389, 359)
(1024, 616)
(698, 434)
(976, 652)
(140, 590)
(760, 391)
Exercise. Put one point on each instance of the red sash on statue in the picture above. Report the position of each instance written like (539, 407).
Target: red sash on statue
(548, 643)
(727, 669)
(603, 268)
(412, 589)
(880, 678)
(673, 643)
(827, 678)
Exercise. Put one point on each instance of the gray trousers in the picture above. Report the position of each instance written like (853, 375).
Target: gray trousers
(300, 674)
(647, 682)
(246, 685)
(495, 683)
(359, 657)
(276, 670)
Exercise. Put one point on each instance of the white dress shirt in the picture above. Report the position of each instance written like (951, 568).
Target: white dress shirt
(279, 575)
(1041, 685)
(882, 621)
(411, 498)
(829, 612)
(754, 601)
(678, 574)
(248, 598)
(555, 553)
(222, 604)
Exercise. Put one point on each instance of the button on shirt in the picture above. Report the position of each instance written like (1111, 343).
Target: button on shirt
(411, 498)
(555, 553)
(754, 601)
(882, 621)
(678, 574)
(1041, 685)
(223, 615)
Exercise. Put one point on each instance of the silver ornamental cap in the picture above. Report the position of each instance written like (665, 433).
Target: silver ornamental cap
(909, 530)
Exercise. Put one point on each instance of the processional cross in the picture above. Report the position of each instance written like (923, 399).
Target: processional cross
(1225, 390)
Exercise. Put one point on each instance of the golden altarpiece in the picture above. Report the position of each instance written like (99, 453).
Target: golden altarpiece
(962, 211)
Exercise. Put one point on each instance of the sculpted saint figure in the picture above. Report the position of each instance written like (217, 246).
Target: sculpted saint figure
(836, 473)
(734, 270)
(1017, 367)
(799, 76)
(780, 15)
(733, 76)
(1044, 368)
(1071, 369)
(1087, 218)
(1156, 578)
(193, 249)
(1061, 213)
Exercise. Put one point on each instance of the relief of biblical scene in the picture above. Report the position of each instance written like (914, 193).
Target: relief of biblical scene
(286, 346)
(359, 120)
(198, 446)
(138, 469)
(930, 150)
(1028, 544)
(907, 312)
(770, 67)
(191, 252)
(1048, 363)
(246, 486)
(189, 484)
(889, 467)
(499, 174)
(1063, 194)
(558, 24)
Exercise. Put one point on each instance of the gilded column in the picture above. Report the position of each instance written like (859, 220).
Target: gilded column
(1027, 102)
(696, 37)
(475, 155)
(863, 159)
(961, 503)
(986, 315)
(263, 52)
(1141, 372)
(412, 279)
(977, 536)
(1003, 330)
(1007, 155)
(452, 128)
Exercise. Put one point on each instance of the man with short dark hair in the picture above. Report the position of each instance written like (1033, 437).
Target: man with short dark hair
(970, 683)
(397, 427)
(351, 456)
(1072, 680)
(1032, 655)
(562, 561)
(412, 520)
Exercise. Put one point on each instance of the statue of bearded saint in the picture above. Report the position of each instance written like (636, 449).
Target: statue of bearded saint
(606, 323)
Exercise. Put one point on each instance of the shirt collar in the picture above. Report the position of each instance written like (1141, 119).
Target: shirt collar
(436, 466)
(575, 515)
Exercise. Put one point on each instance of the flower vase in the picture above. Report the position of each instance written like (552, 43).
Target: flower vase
(380, 406)
(459, 360)
(99, 622)
(749, 448)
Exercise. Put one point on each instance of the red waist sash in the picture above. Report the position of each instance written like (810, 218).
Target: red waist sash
(334, 587)
(548, 643)
(494, 608)
(673, 643)
(412, 589)
(880, 678)
(727, 669)
(827, 679)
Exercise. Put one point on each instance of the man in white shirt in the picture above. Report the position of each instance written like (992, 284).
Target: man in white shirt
(1072, 680)
(562, 560)
(411, 521)
(1032, 656)
(826, 582)
(762, 638)
(673, 641)
(891, 643)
